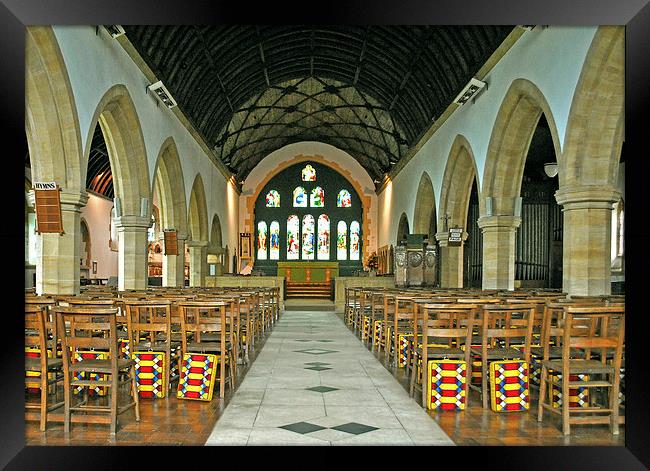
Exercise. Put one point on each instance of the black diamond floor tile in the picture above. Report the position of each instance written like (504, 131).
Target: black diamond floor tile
(354, 428)
(322, 389)
(316, 351)
(316, 363)
(302, 427)
(317, 368)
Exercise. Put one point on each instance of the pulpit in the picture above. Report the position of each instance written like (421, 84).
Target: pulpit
(415, 262)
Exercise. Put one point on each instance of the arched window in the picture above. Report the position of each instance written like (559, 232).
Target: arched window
(293, 234)
(354, 240)
(342, 241)
(308, 237)
(261, 240)
(273, 199)
(274, 234)
(299, 198)
(323, 237)
(343, 199)
(317, 198)
(308, 174)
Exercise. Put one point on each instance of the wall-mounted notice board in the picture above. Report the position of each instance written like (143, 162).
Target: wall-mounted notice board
(48, 208)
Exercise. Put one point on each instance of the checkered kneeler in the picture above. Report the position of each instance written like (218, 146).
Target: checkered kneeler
(509, 388)
(81, 355)
(124, 348)
(365, 332)
(378, 332)
(446, 389)
(535, 370)
(198, 375)
(150, 374)
(34, 386)
(578, 397)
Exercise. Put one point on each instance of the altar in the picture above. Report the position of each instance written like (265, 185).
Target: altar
(308, 279)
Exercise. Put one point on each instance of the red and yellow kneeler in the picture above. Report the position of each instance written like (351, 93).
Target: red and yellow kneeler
(150, 374)
(578, 397)
(124, 348)
(447, 389)
(509, 388)
(378, 333)
(365, 332)
(80, 355)
(198, 375)
(34, 386)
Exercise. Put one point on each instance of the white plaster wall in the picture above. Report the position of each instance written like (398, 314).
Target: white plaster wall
(551, 58)
(97, 213)
(95, 63)
(327, 153)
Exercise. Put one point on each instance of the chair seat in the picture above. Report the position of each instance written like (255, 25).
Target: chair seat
(439, 352)
(555, 352)
(100, 366)
(497, 353)
(579, 366)
(201, 347)
(34, 364)
(157, 346)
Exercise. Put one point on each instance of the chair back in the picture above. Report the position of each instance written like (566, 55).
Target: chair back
(202, 317)
(503, 324)
(447, 323)
(597, 330)
(147, 318)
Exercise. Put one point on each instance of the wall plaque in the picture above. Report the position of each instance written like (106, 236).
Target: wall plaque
(455, 236)
(48, 208)
(171, 242)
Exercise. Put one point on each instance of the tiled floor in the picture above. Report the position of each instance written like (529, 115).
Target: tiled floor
(314, 383)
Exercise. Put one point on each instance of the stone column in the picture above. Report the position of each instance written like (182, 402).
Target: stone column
(58, 255)
(499, 251)
(198, 262)
(132, 256)
(451, 261)
(174, 265)
(586, 244)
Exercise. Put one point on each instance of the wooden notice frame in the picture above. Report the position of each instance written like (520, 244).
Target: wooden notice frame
(244, 245)
(171, 242)
(455, 236)
(48, 208)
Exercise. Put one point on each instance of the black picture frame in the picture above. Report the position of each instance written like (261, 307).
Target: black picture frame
(635, 14)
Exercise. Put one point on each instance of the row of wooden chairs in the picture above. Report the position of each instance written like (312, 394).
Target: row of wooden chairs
(225, 322)
(583, 336)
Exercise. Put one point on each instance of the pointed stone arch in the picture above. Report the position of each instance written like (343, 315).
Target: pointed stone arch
(402, 228)
(425, 207)
(216, 241)
(169, 187)
(198, 233)
(589, 164)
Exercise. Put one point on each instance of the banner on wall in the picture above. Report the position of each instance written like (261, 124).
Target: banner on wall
(48, 208)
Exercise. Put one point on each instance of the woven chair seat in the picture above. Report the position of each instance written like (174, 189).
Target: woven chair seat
(580, 366)
(99, 366)
(34, 364)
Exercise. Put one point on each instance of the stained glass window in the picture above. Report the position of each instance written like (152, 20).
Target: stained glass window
(308, 237)
(317, 198)
(342, 241)
(343, 200)
(274, 233)
(323, 237)
(261, 240)
(293, 234)
(308, 174)
(299, 198)
(354, 240)
(273, 199)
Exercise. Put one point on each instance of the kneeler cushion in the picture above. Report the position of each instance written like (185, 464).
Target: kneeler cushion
(80, 355)
(578, 397)
(509, 388)
(33, 378)
(150, 373)
(197, 376)
(447, 385)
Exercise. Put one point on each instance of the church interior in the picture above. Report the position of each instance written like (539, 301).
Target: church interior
(325, 235)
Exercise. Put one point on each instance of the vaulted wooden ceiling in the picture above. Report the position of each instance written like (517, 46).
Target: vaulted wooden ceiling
(369, 90)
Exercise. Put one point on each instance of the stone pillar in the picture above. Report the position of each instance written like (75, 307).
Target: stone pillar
(586, 248)
(58, 255)
(132, 256)
(174, 265)
(451, 261)
(198, 262)
(499, 251)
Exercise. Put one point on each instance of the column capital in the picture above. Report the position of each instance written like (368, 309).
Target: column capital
(587, 196)
(133, 223)
(501, 222)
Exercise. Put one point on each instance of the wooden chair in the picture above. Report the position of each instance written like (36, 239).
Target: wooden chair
(211, 333)
(94, 329)
(50, 368)
(150, 329)
(445, 328)
(600, 332)
(499, 326)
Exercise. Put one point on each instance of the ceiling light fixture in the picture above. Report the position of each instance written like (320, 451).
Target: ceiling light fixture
(470, 91)
(114, 30)
(162, 93)
(550, 169)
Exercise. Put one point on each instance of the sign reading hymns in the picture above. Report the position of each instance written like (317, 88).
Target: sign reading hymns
(455, 236)
(48, 208)
(171, 242)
